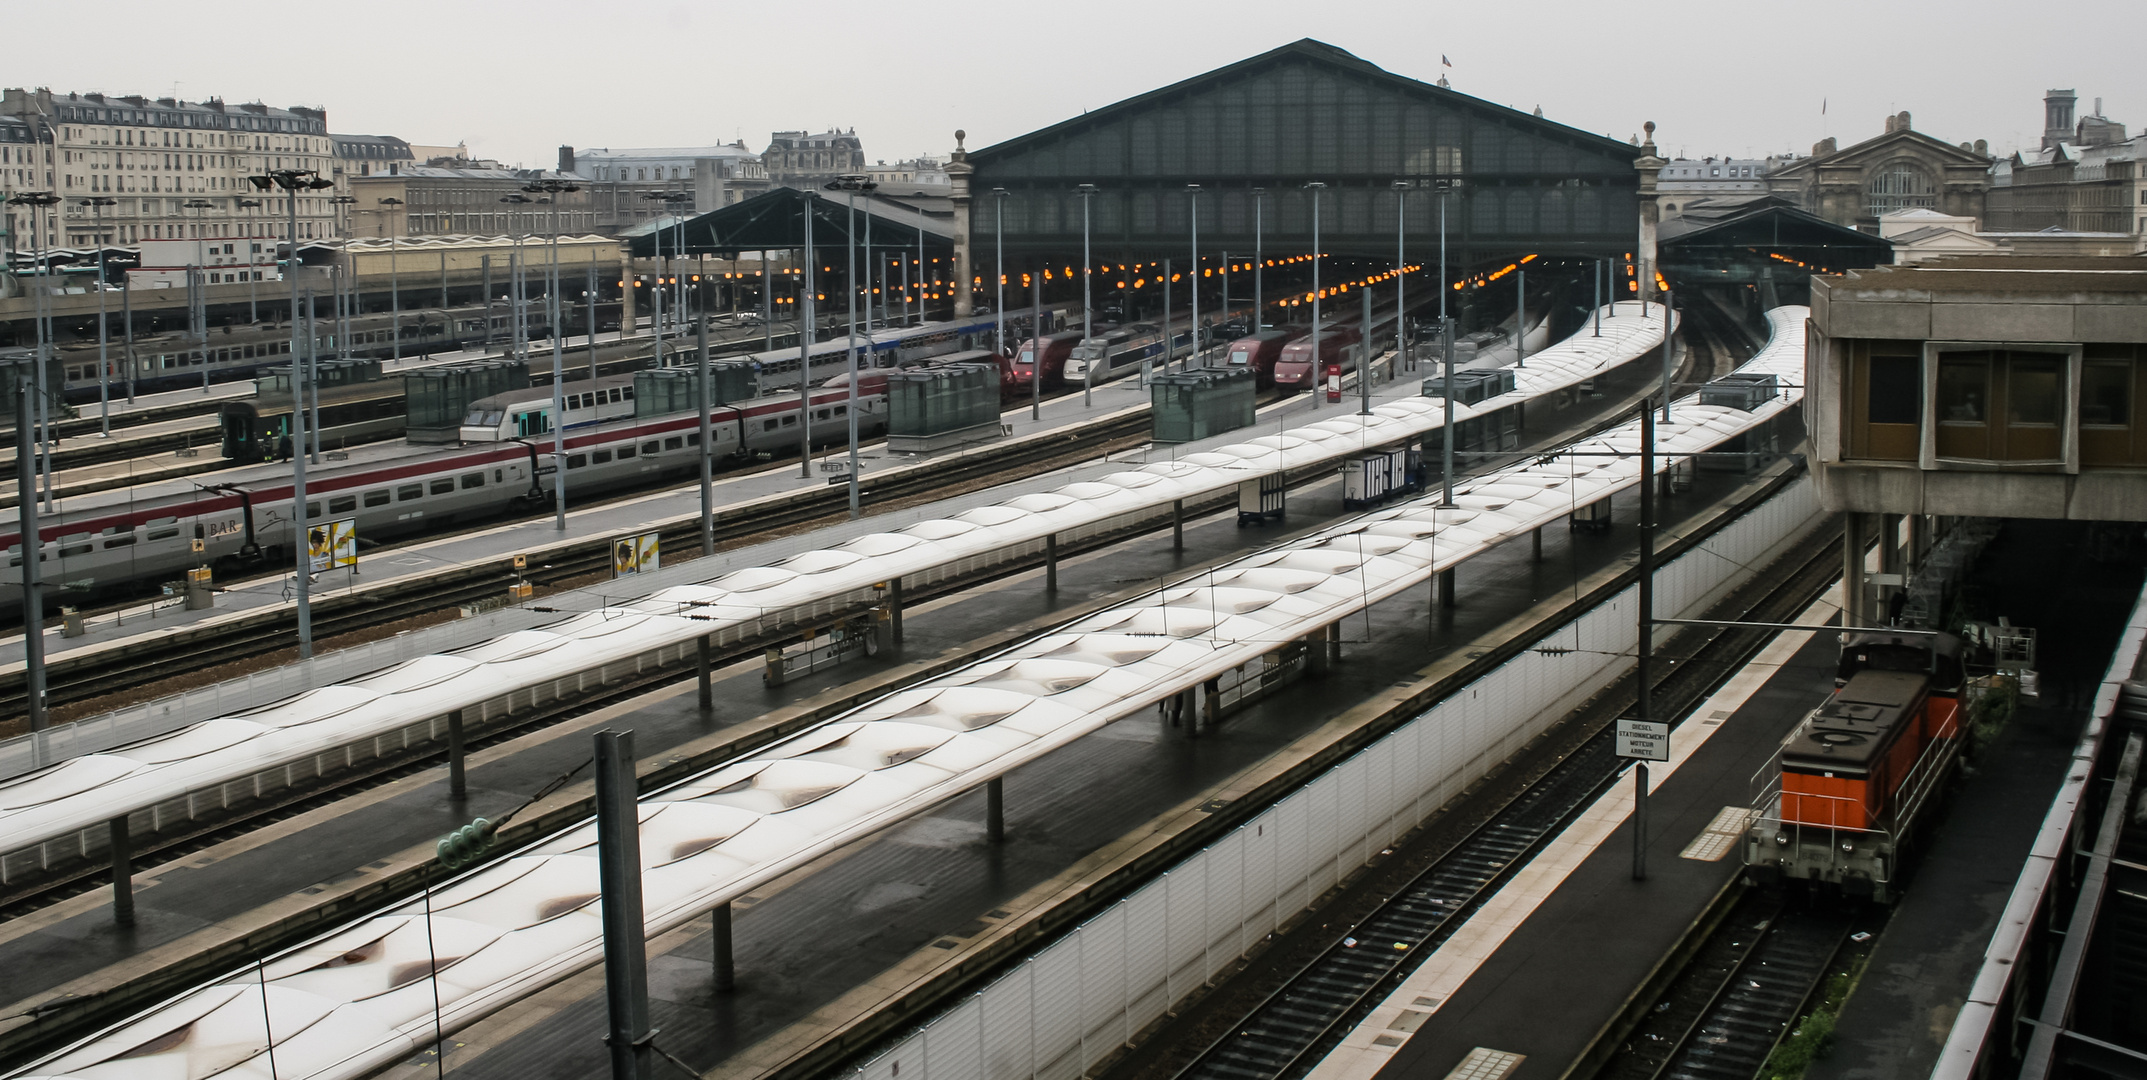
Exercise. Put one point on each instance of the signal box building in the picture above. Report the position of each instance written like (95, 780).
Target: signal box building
(1994, 387)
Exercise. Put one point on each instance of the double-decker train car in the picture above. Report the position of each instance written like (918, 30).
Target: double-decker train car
(1844, 801)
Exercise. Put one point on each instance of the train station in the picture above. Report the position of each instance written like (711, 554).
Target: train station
(1302, 572)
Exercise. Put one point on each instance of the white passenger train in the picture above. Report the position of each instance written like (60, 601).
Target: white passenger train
(105, 542)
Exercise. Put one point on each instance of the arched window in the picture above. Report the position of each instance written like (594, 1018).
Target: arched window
(1899, 186)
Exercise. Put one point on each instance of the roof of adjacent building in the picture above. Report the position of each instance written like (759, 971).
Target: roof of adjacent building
(2000, 273)
(667, 152)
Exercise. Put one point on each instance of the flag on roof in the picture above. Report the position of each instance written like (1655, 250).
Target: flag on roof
(1444, 62)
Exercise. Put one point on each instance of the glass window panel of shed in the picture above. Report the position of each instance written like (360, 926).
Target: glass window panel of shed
(2001, 405)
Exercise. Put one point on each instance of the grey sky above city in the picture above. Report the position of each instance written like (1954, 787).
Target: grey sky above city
(515, 81)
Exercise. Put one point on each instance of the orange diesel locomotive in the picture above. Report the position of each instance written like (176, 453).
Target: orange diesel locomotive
(1852, 783)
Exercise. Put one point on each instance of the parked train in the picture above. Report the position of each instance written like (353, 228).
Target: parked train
(1858, 779)
(1261, 351)
(1121, 350)
(1344, 343)
(247, 522)
(167, 361)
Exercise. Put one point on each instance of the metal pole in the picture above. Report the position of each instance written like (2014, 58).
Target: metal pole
(313, 374)
(806, 321)
(1316, 365)
(301, 553)
(395, 297)
(767, 306)
(1596, 278)
(253, 259)
(998, 263)
(1088, 274)
(1170, 344)
(43, 310)
(104, 365)
(1644, 673)
(849, 281)
(1669, 318)
(703, 404)
(1443, 289)
(589, 306)
(126, 317)
(122, 860)
(618, 860)
(1036, 344)
(1520, 320)
(1401, 274)
(1192, 199)
(559, 399)
(656, 316)
(1259, 298)
(1364, 358)
(33, 546)
(458, 783)
(1446, 430)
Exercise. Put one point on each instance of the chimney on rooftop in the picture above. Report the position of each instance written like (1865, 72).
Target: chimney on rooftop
(566, 159)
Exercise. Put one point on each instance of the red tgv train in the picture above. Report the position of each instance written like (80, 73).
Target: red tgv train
(1261, 351)
(1855, 782)
(1048, 356)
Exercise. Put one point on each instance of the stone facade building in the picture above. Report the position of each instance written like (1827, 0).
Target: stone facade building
(2086, 177)
(716, 177)
(1902, 169)
(439, 201)
(176, 169)
(803, 160)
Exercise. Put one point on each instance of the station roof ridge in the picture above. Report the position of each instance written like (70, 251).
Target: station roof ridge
(1318, 52)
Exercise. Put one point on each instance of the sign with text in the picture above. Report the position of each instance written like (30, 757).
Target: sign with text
(1643, 740)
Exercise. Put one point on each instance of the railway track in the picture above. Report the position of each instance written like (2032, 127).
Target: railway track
(1749, 1009)
(1278, 1027)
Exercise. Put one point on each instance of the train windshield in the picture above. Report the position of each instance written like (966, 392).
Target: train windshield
(1088, 350)
(484, 418)
(1240, 355)
(1027, 357)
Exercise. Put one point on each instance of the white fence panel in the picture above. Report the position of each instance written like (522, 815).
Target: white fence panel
(1230, 895)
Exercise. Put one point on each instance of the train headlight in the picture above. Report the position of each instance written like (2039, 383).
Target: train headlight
(1781, 839)
(1848, 847)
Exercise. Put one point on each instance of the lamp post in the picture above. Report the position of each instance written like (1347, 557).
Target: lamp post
(253, 258)
(293, 181)
(1259, 208)
(517, 281)
(38, 202)
(850, 186)
(656, 316)
(807, 320)
(1315, 187)
(346, 285)
(1192, 201)
(197, 289)
(104, 370)
(395, 296)
(1401, 273)
(1446, 346)
(554, 188)
(998, 267)
(1088, 274)
(672, 199)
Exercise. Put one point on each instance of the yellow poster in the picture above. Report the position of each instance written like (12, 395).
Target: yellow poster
(332, 544)
(635, 555)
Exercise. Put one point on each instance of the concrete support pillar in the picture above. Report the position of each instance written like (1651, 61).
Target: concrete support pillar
(1852, 569)
(1316, 653)
(1051, 563)
(702, 649)
(1334, 643)
(1649, 165)
(1211, 703)
(958, 171)
(458, 780)
(1177, 525)
(626, 294)
(1535, 543)
(894, 607)
(122, 873)
(995, 809)
(726, 964)
(1447, 598)
(1919, 541)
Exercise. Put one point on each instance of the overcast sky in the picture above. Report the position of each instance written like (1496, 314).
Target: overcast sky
(516, 80)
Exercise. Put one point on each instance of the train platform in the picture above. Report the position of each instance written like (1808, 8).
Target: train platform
(1573, 926)
(1896, 1020)
(219, 896)
(406, 562)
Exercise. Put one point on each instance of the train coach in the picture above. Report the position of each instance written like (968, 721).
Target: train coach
(1857, 781)
(1260, 352)
(118, 541)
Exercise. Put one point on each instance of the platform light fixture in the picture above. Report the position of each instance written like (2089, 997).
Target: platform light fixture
(291, 182)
